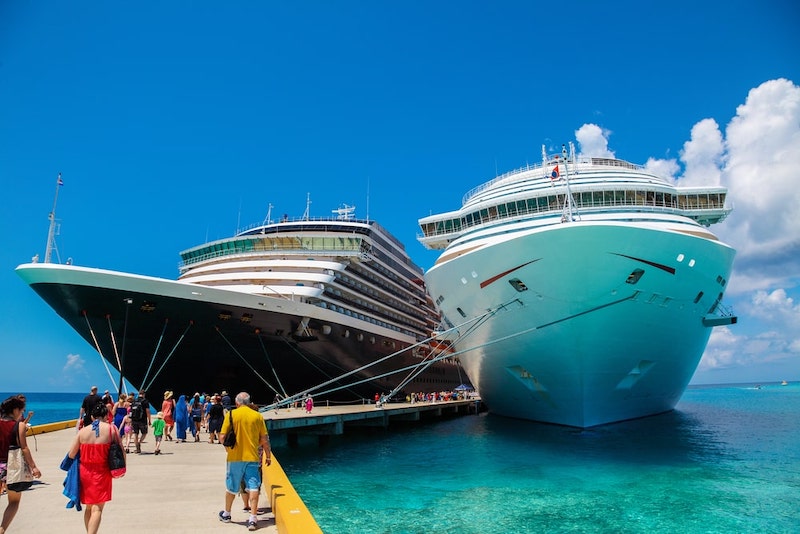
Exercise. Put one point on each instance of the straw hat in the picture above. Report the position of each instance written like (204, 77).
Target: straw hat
(160, 415)
(167, 395)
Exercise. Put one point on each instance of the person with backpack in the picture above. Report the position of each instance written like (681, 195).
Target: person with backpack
(140, 419)
(88, 404)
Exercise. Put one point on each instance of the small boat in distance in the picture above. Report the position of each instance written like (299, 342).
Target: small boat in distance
(278, 308)
(580, 291)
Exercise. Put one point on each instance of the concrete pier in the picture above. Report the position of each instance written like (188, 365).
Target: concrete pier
(182, 489)
(179, 491)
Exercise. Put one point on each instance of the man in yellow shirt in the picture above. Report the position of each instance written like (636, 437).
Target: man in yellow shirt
(244, 461)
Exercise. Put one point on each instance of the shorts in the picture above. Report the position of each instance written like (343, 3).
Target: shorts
(215, 425)
(139, 427)
(159, 438)
(238, 473)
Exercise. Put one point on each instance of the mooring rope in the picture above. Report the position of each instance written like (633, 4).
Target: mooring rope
(97, 347)
(180, 339)
(155, 352)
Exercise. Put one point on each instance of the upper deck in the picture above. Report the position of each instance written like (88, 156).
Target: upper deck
(597, 186)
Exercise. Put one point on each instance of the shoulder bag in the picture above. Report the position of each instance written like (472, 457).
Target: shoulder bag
(18, 473)
(230, 436)
(116, 458)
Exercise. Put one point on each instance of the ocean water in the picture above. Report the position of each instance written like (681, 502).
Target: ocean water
(726, 460)
(50, 407)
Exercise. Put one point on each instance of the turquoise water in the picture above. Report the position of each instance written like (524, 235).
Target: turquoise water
(726, 460)
(51, 407)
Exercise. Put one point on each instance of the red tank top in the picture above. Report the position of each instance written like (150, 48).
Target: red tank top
(6, 430)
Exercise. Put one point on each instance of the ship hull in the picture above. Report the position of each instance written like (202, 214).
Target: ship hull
(172, 335)
(590, 322)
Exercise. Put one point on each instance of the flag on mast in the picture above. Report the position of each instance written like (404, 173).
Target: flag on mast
(60, 181)
(555, 174)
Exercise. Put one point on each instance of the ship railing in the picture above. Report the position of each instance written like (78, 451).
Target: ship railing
(552, 161)
(244, 252)
(440, 228)
(287, 219)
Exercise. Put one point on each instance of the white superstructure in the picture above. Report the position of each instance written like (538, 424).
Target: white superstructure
(581, 291)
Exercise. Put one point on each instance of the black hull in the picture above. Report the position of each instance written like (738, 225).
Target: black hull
(201, 346)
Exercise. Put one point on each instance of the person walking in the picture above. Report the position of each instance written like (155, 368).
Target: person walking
(88, 405)
(216, 415)
(120, 411)
(93, 442)
(168, 409)
(243, 461)
(196, 410)
(140, 419)
(12, 432)
(158, 431)
(181, 419)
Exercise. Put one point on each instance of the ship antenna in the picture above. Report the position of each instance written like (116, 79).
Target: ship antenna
(51, 234)
(570, 212)
(308, 206)
(268, 218)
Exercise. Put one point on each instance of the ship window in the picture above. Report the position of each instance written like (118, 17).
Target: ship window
(518, 284)
(459, 310)
(634, 277)
(698, 297)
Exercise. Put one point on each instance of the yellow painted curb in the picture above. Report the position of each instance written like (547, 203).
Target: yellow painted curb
(291, 514)
(52, 427)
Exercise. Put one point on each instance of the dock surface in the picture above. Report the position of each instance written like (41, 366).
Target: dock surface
(183, 488)
(180, 490)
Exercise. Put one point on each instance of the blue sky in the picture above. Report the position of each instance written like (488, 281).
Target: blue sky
(178, 122)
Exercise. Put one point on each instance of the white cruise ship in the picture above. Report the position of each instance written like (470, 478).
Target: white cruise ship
(581, 291)
(279, 308)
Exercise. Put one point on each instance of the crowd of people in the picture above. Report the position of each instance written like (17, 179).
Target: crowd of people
(126, 421)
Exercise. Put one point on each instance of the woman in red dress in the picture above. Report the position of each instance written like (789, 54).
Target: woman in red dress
(168, 409)
(93, 442)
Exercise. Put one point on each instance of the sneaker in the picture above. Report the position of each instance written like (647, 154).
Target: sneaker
(251, 525)
(224, 518)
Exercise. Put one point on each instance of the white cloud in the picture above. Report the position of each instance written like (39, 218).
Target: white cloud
(74, 363)
(777, 307)
(763, 155)
(666, 168)
(593, 141)
(721, 351)
(74, 369)
(702, 155)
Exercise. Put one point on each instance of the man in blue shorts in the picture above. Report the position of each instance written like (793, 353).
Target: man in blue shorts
(243, 460)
